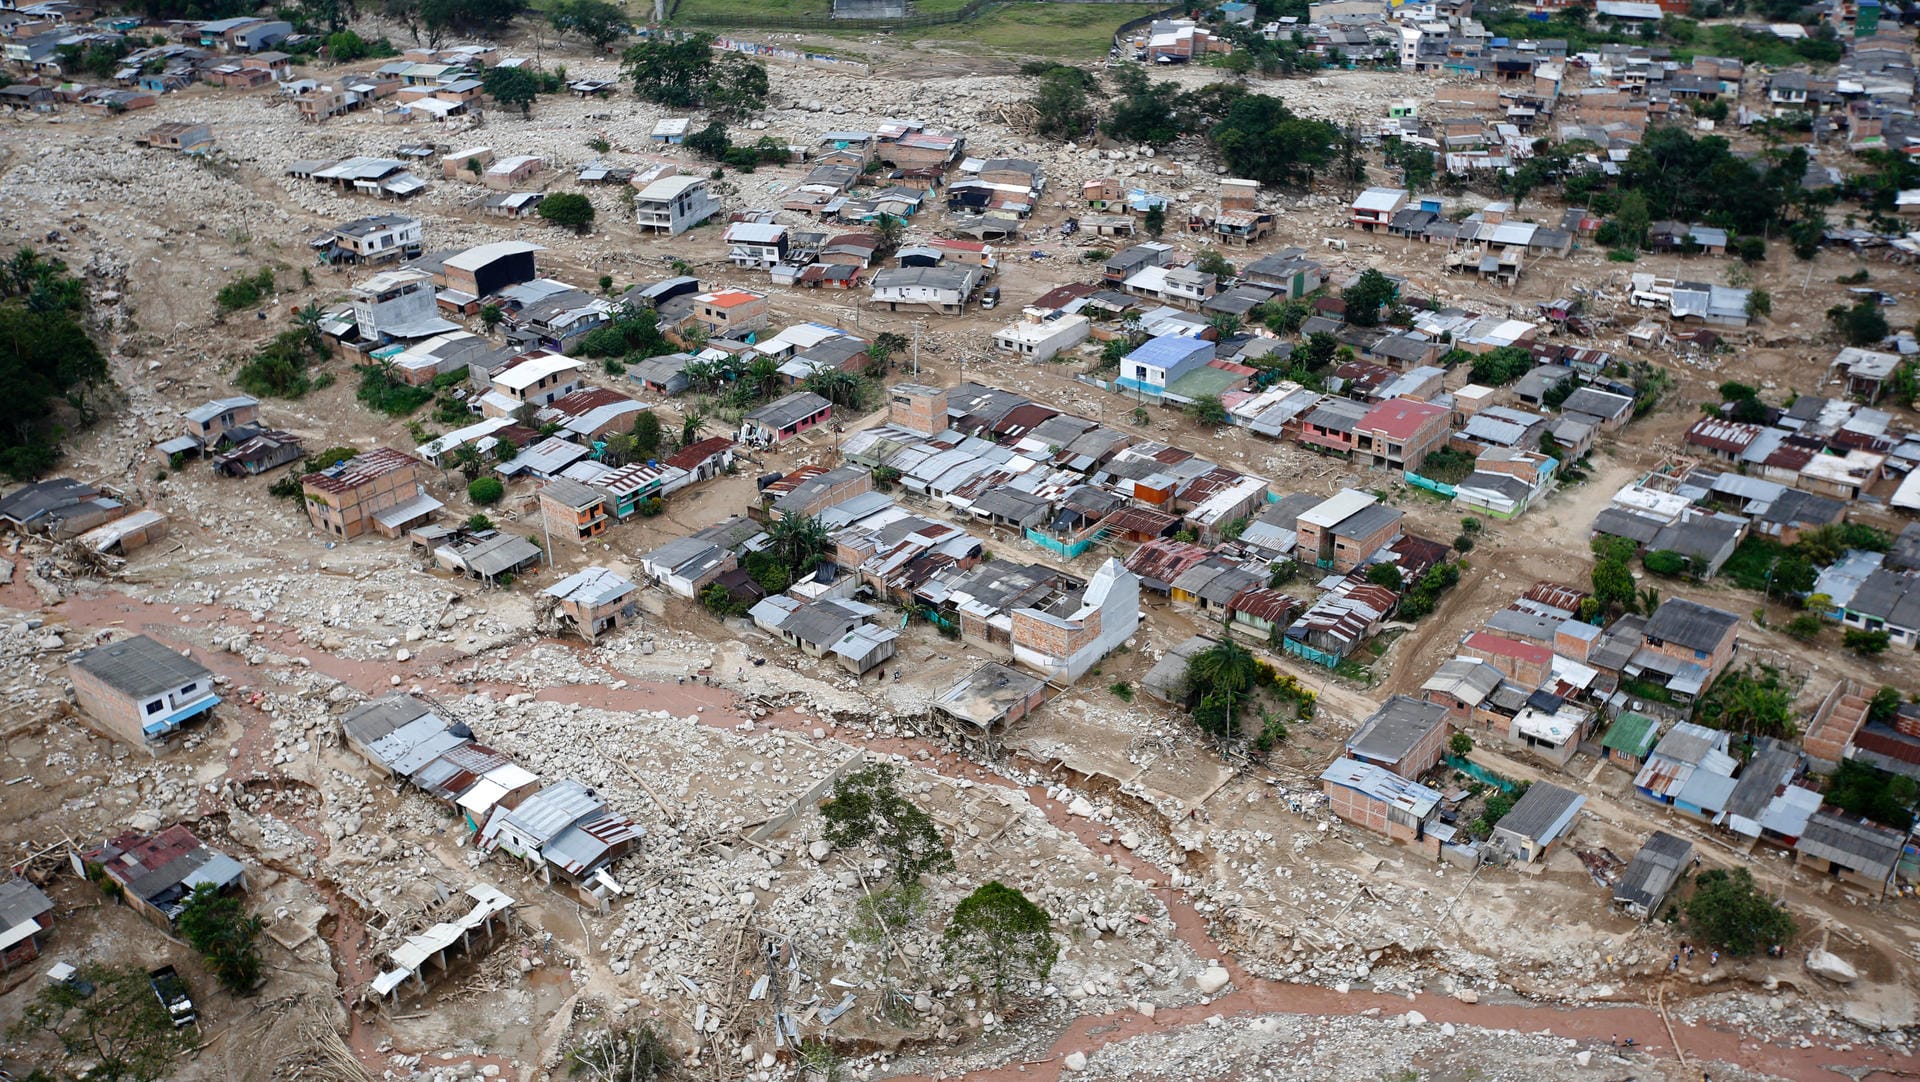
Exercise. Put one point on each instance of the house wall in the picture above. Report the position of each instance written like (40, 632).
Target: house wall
(125, 718)
(1361, 810)
(575, 524)
(1714, 661)
(350, 514)
(209, 432)
(1351, 552)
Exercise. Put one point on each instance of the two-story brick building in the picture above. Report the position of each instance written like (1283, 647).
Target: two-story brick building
(380, 491)
(1399, 433)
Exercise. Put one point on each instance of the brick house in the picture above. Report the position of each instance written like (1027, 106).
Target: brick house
(1404, 736)
(593, 601)
(141, 690)
(1399, 432)
(380, 491)
(1381, 801)
(573, 510)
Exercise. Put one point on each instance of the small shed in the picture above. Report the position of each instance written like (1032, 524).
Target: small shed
(1652, 873)
(1538, 819)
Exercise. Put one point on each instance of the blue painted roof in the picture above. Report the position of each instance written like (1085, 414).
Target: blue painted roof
(1168, 350)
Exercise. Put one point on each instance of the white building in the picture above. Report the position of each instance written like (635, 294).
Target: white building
(1041, 334)
(398, 304)
(673, 205)
(756, 244)
(538, 377)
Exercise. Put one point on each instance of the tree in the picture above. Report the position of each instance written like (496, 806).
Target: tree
(1865, 643)
(596, 20)
(1260, 138)
(1754, 700)
(1501, 366)
(638, 1054)
(1864, 790)
(690, 425)
(569, 209)
(1209, 411)
(1223, 677)
(1367, 296)
(1154, 221)
(1060, 105)
(1142, 111)
(122, 1029)
(1387, 575)
(997, 937)
(1666, 562)
(836, 386)
(1859, 325)
(1759, 304)
(737, 87)
(490, 316)
(800, 541)
(865, 807)
(486, 491)
(1460, 744)
(1212, 262)
(670, 72)
(511, 87)
(686, 73)
(46, 357)
(220, 928)
(889, 230)
(1612, 577)
(1631, 220)
(492, 16)
(646, 434)
(1728, 912)
(710, 142)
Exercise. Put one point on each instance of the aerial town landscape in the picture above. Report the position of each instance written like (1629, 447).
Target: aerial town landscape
(932, 539)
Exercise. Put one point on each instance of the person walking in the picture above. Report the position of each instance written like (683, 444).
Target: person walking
(1715, 959)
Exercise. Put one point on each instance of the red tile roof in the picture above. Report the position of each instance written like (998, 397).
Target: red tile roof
(1501, 646)
(693, 454)
(1399, 418)
(361, 469)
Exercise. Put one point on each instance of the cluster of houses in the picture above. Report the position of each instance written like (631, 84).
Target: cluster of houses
(562, 828)
(235, 52)
(1540, 681)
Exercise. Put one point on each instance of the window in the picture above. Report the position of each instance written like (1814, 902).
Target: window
(155, 706)
(189, 689)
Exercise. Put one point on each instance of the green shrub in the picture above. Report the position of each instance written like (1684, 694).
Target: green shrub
(245, 291)
(485, 491)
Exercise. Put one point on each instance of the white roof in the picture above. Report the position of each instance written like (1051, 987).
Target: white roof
(669, 187)
(673, 125)
(533, 370)
(508, 165)
(1380, 199)
(482, 254)
(1338, 508)
(1908, 494)
(461, 436)
(754, 233)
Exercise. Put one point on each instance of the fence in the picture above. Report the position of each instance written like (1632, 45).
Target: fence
(1475, 770)
(1439, 487)
(1068, 549)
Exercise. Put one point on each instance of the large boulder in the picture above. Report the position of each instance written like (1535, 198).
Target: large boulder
(1212, 980)
(1824, 963)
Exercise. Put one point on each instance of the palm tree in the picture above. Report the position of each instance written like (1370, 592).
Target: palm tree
(1225, 666)
(837, 387)
(762, 376)
(690, 426)
(308, 317)
(799, 541)
(466, 458)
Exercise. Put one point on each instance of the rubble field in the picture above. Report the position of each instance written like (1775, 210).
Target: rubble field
(1214, 922)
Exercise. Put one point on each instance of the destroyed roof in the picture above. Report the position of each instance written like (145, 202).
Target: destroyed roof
(1467, 679)
(20, 903)
(987, 693)
(138, 667)
(592, 588)
(372, 721)
(1382, 785)
(1653, 871)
